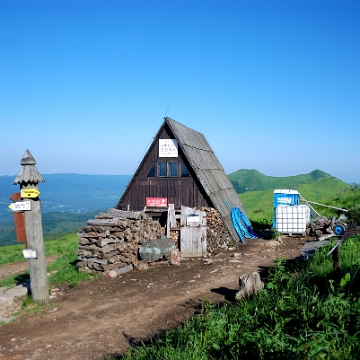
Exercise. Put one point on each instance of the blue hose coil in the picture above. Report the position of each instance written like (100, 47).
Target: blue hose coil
(242, 224)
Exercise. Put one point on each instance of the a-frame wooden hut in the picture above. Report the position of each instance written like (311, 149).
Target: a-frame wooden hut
(180, 168)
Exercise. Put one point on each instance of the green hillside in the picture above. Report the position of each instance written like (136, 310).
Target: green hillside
(316, 186)
(253, 180)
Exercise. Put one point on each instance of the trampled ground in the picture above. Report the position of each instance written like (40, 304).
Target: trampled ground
(99, 319)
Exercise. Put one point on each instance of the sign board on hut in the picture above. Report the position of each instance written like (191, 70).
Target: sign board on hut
(156, 202)
(168, 148)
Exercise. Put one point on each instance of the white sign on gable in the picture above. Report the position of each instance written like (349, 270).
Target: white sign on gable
(168, 148)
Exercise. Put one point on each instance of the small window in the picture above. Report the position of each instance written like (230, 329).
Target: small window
(184, 171)
(162, 168)
(173, 169)
(152, 171)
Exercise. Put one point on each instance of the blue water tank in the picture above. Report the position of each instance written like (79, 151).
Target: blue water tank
(284, 197)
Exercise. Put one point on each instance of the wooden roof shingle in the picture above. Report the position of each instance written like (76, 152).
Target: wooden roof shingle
(209, 171)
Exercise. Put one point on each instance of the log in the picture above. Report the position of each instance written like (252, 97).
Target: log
(114, 266)
(122, 270)
(108, 255)
(86, 241)
(105, 228)
(88, 234)
(104, 249)
(102, 222)
(249, 284)
(118, 234)
(174, 257)
(95, 260)
(84, 253)
(104, 241)
(82, 264)
(125, 214)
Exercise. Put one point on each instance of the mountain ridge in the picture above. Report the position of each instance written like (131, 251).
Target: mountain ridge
(252, 180)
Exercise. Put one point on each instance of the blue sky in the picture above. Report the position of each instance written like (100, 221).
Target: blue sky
(273, 85)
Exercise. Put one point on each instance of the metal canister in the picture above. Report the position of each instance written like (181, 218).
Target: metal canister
(156, 249)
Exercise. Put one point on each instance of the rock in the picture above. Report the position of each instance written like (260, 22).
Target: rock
(141, 265)
(249, 284)
(276, 242)
(10, 301)
(15, 292)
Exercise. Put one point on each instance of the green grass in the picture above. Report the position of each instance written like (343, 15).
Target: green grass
(63, 269)
(305, 312)
(11, 253)
(348, 199)
(260, 209)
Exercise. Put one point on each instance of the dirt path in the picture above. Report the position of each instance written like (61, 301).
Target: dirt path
(101, 318)
(19, 267)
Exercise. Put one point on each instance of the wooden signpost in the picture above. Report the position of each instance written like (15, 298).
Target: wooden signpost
(28, 179)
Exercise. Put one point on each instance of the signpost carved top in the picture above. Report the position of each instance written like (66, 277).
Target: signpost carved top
(28, 173)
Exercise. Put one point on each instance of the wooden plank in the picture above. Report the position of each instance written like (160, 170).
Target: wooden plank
(191, 241)
(20, 227)
(171, 211)
(203, 235)
(185, 242)
(195, 239)
(185, 211)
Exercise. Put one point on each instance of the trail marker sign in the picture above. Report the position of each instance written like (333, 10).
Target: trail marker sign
(29, 254)
(30, 193)
(20, 206)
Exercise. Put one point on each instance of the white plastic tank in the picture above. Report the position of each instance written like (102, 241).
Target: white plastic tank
(292, 219)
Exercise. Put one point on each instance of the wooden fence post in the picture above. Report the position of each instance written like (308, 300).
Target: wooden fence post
(335, 258)
(28, 179)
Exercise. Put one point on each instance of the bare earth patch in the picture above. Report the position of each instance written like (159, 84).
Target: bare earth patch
(103, 317)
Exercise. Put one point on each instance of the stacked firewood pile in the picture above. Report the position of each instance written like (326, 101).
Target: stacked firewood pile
(112, 240)
(217, 235)
(318, 227)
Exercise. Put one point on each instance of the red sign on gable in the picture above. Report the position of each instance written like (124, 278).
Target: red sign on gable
(155, 202)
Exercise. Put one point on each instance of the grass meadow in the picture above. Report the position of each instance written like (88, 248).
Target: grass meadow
(63, 270)
(306, 311)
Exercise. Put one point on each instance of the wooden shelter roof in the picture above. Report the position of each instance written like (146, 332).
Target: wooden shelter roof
(208, 170)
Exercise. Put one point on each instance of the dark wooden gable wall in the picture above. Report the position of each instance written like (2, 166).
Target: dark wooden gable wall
(186, 191)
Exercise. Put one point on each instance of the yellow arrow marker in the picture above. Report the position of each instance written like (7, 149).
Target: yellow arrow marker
(29, 193)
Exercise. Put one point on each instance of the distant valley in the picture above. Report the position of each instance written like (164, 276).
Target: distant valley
(69, 200)
(73, 193)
